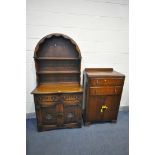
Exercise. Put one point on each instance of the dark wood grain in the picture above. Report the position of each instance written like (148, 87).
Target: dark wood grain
(102, 94)
(106, 81)
(51, 88)
(58, 95)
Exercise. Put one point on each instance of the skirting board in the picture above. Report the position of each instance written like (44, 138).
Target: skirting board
(33, 115)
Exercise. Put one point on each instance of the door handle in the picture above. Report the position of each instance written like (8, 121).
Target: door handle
(104, 107)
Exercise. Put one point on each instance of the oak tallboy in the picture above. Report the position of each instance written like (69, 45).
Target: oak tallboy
(102, 94)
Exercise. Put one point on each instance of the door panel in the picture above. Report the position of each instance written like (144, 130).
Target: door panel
(72, 114)
(58, 109)
(103, 108)
(49, 115)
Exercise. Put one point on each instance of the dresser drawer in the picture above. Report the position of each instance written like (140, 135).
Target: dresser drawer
(107, 90)
(72, 99)
(47, 99)
(106, 81)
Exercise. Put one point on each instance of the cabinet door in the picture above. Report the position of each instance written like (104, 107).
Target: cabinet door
(58, 110)
(102, 108)
(72, 114)
(72, 107)
(49, 116)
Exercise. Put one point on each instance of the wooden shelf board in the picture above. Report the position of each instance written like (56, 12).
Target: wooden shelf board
(58, 72)
(55, 58)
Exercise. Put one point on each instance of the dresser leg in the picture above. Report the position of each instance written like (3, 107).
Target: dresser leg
(87, 124)
(39, 128)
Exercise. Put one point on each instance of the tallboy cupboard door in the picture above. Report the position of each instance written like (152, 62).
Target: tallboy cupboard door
(102, 108)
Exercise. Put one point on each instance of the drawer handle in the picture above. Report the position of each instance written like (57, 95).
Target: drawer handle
(104, 107)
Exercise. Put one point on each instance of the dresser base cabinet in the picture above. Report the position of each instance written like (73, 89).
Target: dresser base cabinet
(102, 95)
(60, 110)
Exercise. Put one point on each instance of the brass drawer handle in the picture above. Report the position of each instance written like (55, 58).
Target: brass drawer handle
(104, 107)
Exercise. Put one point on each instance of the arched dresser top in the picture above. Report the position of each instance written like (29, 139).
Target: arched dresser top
(57, 44)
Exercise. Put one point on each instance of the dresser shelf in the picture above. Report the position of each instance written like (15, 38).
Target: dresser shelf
(58, 72)
(55, 58)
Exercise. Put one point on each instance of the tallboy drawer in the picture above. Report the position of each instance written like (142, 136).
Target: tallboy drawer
(46, 99)
(106, 81)
(107, 90)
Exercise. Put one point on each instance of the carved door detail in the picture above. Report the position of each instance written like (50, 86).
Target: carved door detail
(59, 109)
(49, 116)
(72, 114)
(73, 99)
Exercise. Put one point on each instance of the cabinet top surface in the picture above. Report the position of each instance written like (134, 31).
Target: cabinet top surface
(102, 72)
(57, 88)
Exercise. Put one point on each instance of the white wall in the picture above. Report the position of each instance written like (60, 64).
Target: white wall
(99, 27)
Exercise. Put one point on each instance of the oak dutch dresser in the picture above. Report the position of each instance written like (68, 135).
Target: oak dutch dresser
(102, 94)
(58, 94)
